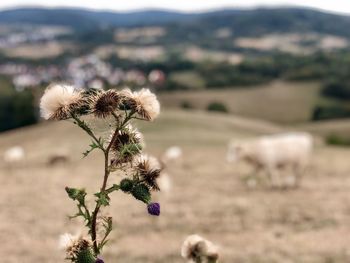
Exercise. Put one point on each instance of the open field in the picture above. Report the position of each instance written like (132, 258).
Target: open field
(307, 225)
(280, 101)
(293, 43)
(38, 51)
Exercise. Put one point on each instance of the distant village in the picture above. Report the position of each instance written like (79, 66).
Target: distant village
(87, 71)
(83, 72)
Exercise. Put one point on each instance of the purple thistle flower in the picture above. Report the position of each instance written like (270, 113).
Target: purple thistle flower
(98, 260)
(154, 209)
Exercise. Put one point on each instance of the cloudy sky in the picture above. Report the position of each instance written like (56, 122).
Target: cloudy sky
(342, 6)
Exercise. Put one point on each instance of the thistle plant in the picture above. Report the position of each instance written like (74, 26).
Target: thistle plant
(122, 151)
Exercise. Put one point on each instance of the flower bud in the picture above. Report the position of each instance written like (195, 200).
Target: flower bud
(141, 192)
(86, 256)
(76, 194)
(154, 209)
(126, 185)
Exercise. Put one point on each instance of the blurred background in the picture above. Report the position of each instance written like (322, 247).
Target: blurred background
(222, 70)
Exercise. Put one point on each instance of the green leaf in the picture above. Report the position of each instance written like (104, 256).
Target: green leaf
(102, 198)
(108, 226)
(93, 146)
(83, 211)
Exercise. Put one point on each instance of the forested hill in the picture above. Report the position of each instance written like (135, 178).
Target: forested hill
(243, 22)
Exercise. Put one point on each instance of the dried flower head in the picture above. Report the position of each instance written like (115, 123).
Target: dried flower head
(128, 135)
(197, 249)
(149, 170)
(75, 246)
(126, 145)
(104, 103)
(60, 101)
(143, 102)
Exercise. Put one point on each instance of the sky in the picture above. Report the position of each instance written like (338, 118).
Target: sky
(340, 6)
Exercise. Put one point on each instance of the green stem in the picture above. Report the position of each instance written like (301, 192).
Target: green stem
(113, 188)
(97, 209)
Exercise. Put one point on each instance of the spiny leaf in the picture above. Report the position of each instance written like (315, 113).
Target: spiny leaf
(131, 149)
(108, 226)
(93, 146)
(102, 198)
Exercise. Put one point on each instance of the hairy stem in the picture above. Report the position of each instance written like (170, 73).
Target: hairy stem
(96, 246)
(87, 129)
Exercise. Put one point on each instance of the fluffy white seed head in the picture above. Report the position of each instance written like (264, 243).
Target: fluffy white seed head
(58, 100)
(73, 245)
(153, 162)
(144, 102)
(66, 240)
(149, 102)
(196, 247)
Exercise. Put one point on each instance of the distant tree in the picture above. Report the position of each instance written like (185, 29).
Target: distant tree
(17, 110)
(186, 105)
(335, 139)
(337, 88)
(217, 106)
(330, 112)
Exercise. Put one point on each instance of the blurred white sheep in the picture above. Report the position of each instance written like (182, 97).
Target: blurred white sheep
(172, 154)
(14, 154)
(275, 152)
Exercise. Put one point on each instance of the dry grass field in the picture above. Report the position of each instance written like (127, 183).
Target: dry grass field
(208, 197)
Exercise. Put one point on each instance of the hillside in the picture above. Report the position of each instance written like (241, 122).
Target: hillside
(244, 22)
(82, 19)
(282, 102)
(208, 197)
(339, 128)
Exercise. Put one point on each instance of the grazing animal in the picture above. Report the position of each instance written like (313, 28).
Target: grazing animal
(275, 152)
(173, 153)
(14, 154)
(57, 159)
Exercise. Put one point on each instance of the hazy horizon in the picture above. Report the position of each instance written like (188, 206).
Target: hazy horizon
(342, 7)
